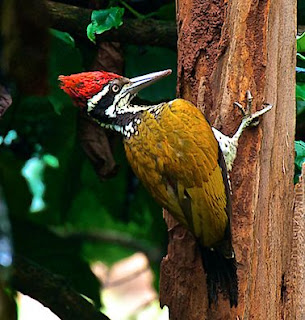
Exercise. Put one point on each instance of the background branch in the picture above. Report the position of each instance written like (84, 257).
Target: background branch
(153, 254)
(52, 291)
(133, 31)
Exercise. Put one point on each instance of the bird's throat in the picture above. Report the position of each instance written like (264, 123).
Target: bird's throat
(128, 119)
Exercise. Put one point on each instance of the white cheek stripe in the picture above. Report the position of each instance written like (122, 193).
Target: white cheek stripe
(111, 110)
(95, 99)
(118, 106)
(124, 100)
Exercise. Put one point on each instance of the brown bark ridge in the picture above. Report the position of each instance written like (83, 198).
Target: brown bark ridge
(294, 288)
(224, 49)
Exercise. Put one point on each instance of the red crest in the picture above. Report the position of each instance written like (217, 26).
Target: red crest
(83, 86)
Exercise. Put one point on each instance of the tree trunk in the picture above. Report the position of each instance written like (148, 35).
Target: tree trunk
(224, 49)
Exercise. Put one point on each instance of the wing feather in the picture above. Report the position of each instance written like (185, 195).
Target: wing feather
(176, 157)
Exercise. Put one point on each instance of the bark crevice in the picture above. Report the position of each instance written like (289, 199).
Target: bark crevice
(248, 54)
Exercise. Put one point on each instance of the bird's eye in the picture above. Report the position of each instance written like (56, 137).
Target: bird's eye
(115, 88)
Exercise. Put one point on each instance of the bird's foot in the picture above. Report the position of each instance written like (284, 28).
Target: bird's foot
(246, 111)
(249, 118)
(229, 145)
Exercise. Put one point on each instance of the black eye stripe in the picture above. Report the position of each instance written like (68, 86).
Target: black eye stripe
(98, 111)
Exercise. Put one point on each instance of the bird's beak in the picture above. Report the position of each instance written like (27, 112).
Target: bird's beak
(141, 82)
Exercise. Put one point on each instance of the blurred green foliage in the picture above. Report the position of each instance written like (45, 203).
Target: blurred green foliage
(300, 105)
(76, 201)
(300, 75)
(299, 157)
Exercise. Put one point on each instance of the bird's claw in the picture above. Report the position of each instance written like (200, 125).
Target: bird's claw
(245, 111)
(251, 118)
(229, 145)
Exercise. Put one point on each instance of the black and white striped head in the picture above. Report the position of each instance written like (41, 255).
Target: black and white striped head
(106, 96)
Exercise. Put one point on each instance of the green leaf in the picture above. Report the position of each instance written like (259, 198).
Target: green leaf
(104, 20)
(301, 43)
(300, 153)
(300, 107)
(50, 160)
(63, 36)
(33, 172)
(300, 56)
(300, 91)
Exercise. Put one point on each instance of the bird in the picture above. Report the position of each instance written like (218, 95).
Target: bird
(179, 158)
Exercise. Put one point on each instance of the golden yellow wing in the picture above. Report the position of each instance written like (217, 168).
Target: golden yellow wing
(176, 156)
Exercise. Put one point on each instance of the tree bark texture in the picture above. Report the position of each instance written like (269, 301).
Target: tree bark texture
(295, 284)
(224, 49)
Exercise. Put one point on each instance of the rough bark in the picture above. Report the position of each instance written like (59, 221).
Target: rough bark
(295, 279)
(133, 31)
(224, 49)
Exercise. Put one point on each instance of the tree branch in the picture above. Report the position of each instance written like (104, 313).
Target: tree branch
(140, 32)
(52, 291)
(153, 254)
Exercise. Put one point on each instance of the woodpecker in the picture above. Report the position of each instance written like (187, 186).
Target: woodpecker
(175, 153)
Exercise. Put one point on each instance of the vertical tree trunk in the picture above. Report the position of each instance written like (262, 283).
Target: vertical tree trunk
(294, 307)
(224, 49)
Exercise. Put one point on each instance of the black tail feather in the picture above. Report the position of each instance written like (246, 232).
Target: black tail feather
(221, 275)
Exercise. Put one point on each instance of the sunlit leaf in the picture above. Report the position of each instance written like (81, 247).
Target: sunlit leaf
(50, 160)
(301, 43)
(300, 153)
(11, 135)
(300, 70)
(33, 172)
(300, 56)
(104, 20)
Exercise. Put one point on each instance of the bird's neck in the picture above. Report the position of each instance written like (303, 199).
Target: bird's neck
(129, 118)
